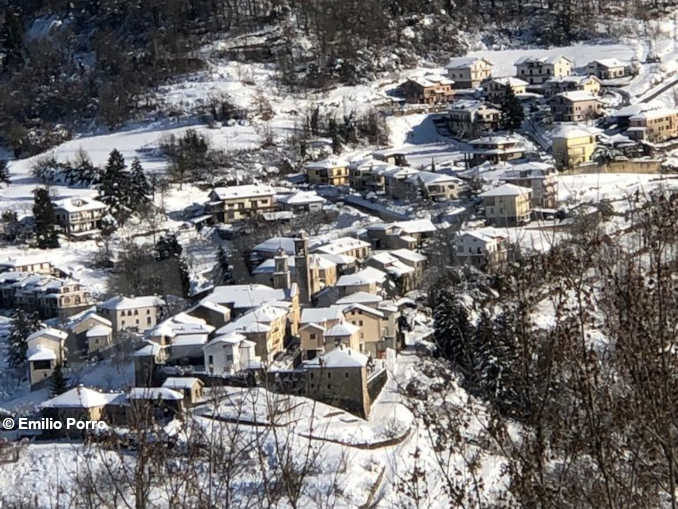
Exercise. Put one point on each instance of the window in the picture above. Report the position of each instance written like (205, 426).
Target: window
(329, 386)
(312, 336)
(137, 321)
(148, 311)
(360, 322)
(136, 311)
(42, 364)
(346, 374)
(311, 376)
(229, 357)
(148, 320)
(329, 375)
(210, 359)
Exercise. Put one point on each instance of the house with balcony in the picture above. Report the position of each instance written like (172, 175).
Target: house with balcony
(575, 106)
(536, 70)
(496, 149)
(331, 171)
(507, 205)
(608, 68)
(234, 203)
(79, 218)
(471, 118)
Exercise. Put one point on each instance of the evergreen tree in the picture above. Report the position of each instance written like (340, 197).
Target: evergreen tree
(453, 330)
(511, 110)
(168, 247)
(4, 172)
(45, 220)
(59, 383)
(139, 189)
(23, 325)
(114, 185)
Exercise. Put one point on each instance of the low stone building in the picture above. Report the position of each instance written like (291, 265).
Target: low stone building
(190, 387)
(340, 378)
(88, 334)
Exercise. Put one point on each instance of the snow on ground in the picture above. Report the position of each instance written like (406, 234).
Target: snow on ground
(594, 187)
(582, 54)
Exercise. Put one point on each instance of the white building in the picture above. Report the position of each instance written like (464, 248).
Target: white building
(229, 354)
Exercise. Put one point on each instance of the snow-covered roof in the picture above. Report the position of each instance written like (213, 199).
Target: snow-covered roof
(48, 332)
(360, 298)
(154, 393)
(342, 245)
(150, 350)
(573, 78)
(273, 244)
(463, 62)
(181, 382)
(338, 259)
(24, 260)
(301, 198)
(546, 59)
(212, 306)
(78, 318)
(40, 354)
(654, 114)
(327, 164)
(608, 62)
(340, 357)
(257, 320)
(342, 328)
(78, 204)
(244, 191)
(471, 105)
(506, 190)
(232, 338)
(364, 309)
(190, 340)
(81, 397)
(367, 275)
(495, 140)
(510, 81)
(98, 330)
(430, 80)
(429, 178)
(409, 255)
(577, 96)
(132, 302)
(574, 131)
(314, 260)
(321, 315)
(249, 296)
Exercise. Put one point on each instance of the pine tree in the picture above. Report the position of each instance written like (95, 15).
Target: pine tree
(59, 383)
(4, 172)
(45, 220)
(114, 185)
(139, 189)
(512, 110)
(23, 325)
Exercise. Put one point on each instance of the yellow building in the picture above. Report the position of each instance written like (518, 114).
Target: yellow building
(654, 126)
(573, 145)
(507, 205)
(330, 171)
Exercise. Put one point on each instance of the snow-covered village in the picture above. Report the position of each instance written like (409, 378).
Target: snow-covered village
(338, 254)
